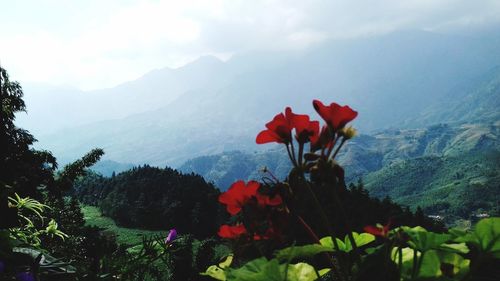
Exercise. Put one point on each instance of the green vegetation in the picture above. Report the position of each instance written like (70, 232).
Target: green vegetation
(269, 226)
(154, 198)
(451, 171)
(451, 186)
(125, 236)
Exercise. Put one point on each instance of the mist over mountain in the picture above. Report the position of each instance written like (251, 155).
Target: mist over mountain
(48, 104)
(209, 107)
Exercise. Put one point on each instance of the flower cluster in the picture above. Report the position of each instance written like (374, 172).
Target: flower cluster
(245, 200)
(324, 138)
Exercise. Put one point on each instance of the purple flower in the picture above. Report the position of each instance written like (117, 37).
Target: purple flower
(25, 276)
(2, 266)
(172, 234)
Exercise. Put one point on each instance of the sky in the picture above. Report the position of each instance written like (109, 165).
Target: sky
(92, 44)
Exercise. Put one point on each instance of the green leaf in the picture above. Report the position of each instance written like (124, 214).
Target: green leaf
(255, 270)
(328, 242)
(300, 272)
(457, 232)
(453, 265)
(302, 251)
(360, 239)
(487, 232)
(460, 248)
(262, 269)
(215, 272)
(424, 240)
(430, 266)
(227, 262)
(324, 271)
(407, 260)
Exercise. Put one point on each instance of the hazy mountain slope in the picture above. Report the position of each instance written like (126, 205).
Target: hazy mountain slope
(479, 101)
(387, 79)
(53, 108)
(361, 156)
(453, 171)
(108, 167)
(226, 168)
(450, 185)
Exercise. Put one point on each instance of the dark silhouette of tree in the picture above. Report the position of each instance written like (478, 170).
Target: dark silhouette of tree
(155, 198)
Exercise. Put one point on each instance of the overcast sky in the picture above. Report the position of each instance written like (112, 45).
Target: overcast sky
(93, 44)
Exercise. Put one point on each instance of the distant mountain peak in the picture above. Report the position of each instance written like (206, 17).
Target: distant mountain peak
(202, 63)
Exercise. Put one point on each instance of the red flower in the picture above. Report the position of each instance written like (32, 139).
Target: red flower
(240, 194)
(231, 232)
(278, 130)
(304, 128)
(336, 116)
(321, 139)
(379, 230)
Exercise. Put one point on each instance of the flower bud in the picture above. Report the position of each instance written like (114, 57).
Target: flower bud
(348, 132)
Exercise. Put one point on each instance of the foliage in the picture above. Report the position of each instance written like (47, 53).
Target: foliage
(273, 230)
(33, 227)
(125, 236)
(264, 215)
(154, 198)
(453, 186)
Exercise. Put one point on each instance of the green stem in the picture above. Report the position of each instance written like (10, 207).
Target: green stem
(293, 153)
(347, 225)
(316, 240)
(334, 142)
(290, 156)
(327, 223)
(420, 261)
(338, 148)
(301, 151)
(400, 259)
(414, 268)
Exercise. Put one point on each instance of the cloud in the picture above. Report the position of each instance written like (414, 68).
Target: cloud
(94, 44)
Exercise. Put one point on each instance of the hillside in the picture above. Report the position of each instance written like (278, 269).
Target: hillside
(108, 167)
(363, 155)
(448, 170)
(477, 102)
(451, 186)
(154, 198)
(388, 79)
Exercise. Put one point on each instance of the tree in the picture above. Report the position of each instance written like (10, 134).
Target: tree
(20, 165)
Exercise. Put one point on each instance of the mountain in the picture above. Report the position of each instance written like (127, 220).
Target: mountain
(52, 108)
(108, 167)
(361, 156)
(388, 79)
(448, 170)
(478, 101)
(457, 186)
(225, 168)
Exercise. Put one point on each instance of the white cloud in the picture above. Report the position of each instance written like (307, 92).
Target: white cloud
(93, 44)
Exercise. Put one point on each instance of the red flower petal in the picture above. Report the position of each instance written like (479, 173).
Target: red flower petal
(267, 136)
(278, 130)
(231, 232)
(373, 230)
(251, 189)
(335, 116)
(264, 200)
(382, 231)
(238, 195)
(322, 110)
